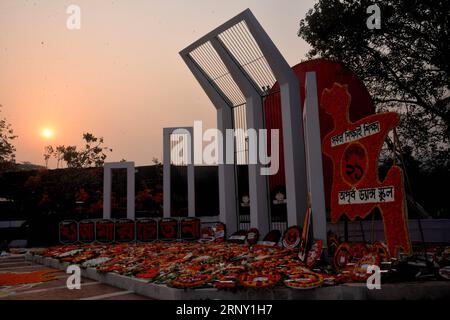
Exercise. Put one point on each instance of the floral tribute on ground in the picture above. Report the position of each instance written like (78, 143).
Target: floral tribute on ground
(225, 265)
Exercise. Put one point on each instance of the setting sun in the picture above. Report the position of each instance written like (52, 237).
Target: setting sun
(47, 133)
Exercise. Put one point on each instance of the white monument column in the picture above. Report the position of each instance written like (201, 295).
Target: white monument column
(189, 132)
(259, 208)
(191, 176)
(107, 181)
(227, 178)
(293, 141)
(166, 173)
(314, 158)
(131, 174)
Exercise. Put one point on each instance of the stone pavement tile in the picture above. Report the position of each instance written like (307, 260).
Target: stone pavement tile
(66, 294)
(48, 285)
(15, 264)
(9, 260)
(13, 256)
(34, 267)
(129, 296)
(56, 289)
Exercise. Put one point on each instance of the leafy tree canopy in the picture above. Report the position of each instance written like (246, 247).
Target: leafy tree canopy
(405, 64)
(92, 155)
(7, 149)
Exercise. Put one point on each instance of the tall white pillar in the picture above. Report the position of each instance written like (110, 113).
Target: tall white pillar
(227, 191)
(131, 213)
(189, 132)
(107, 175)
(227, 177)
(259, 208)
(314, 158)
(166, 173)
(107, 181)
(293, 141)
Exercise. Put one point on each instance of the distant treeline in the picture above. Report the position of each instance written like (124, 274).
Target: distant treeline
(76, 193)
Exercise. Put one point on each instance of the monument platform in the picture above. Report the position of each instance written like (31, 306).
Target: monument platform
(349, 291)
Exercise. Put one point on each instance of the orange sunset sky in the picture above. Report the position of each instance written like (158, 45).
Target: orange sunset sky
(120, 75)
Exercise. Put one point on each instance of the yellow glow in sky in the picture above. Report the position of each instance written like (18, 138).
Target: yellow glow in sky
(120, 75)
(47, 133)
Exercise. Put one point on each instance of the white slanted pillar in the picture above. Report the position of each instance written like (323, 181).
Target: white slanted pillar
(166, 173)
(227, 178)
(314, 158)
(293, 142)
(107, 181)
(189, 133)
(259, 209)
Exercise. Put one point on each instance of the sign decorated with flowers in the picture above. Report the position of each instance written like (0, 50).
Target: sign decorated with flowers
(354, 148)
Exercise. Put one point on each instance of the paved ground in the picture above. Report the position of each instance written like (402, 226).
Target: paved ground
(56, 289)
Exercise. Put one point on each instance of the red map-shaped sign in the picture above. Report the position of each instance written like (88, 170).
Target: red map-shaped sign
(354, 148)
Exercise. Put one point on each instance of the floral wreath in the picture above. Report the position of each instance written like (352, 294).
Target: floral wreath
(259, 279)
(190, 280)
(148, 274)
(292, 237)
(359, 272)
(342, 255)
(304, 280)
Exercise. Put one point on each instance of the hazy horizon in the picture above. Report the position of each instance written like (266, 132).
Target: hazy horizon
(120, 75)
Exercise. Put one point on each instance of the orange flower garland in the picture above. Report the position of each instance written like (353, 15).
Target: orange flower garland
(12, 278)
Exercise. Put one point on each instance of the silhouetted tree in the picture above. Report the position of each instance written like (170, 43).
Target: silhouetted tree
(7, 149)
(92, 155)
(405, 64)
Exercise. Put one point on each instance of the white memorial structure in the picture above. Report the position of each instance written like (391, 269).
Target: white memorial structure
(185, 133)
(236, 64)
(107, 181)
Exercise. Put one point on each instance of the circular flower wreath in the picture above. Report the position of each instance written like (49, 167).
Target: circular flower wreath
(226, 280)
(292, 237)
(342, 256)
(304, 280)
(259, 279)
(191, 280)
(359, 272)
(148, 274)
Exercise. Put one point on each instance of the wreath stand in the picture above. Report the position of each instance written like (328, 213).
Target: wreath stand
(396, 147)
